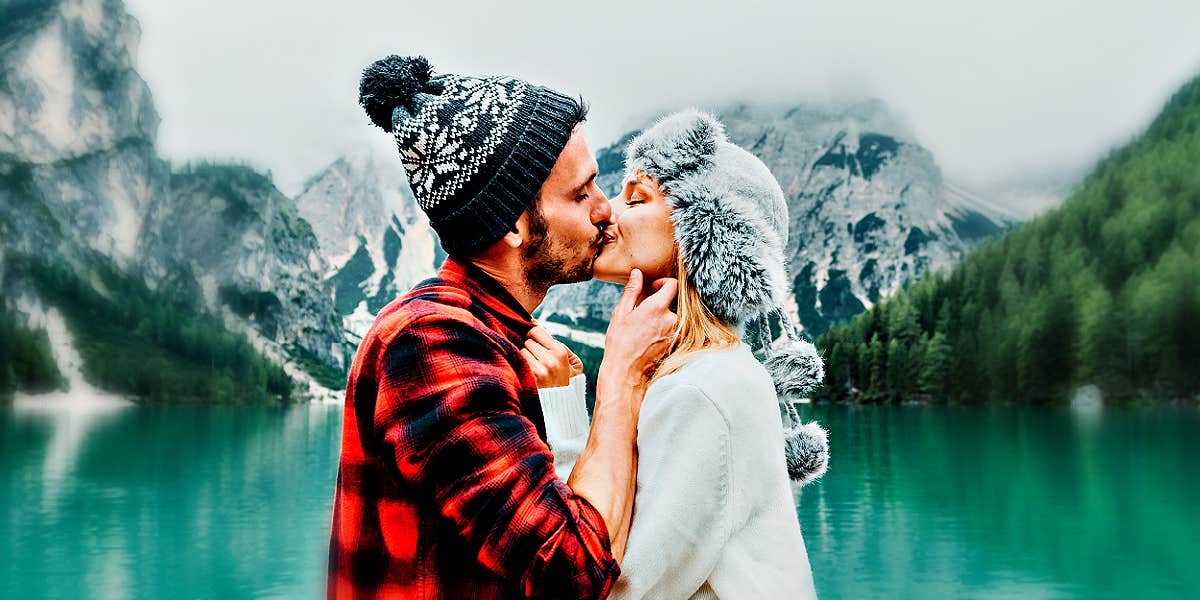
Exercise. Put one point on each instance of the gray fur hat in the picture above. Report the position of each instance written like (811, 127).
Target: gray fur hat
(731, 225)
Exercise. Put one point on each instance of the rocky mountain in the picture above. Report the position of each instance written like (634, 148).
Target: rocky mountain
(209, 269)
(375, 241)
(251, 253)
(869, 208)
(1097, 300)
(213, 270)
(79, 120)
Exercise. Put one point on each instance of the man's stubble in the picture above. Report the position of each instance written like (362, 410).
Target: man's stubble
(549, 261)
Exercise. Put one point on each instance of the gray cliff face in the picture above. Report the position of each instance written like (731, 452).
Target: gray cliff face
(251, 253)
(868, 207)
(375, 241)
(69, 82)
(76, 116)
(80, 176)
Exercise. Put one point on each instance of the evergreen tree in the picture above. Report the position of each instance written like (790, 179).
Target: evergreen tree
(878, 369)
(1104, 289)
(935, 368)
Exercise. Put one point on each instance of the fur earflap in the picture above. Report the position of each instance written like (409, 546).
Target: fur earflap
(677, 144)
(796, 368)
(728, 253)
(807, 448)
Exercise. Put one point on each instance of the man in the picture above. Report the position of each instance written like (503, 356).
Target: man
(446, 487)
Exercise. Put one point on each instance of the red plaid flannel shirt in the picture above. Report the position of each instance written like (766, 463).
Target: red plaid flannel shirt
(446, 487)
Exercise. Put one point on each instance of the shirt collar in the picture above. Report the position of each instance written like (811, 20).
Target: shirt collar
(490, 293)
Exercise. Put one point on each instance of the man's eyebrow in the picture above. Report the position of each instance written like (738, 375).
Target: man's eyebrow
(583, 186)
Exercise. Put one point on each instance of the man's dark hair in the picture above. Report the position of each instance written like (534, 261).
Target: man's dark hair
(581, 110)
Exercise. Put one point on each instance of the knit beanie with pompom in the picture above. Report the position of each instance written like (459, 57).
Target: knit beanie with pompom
(476, 149)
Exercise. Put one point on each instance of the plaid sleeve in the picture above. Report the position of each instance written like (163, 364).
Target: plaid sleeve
(449, 408)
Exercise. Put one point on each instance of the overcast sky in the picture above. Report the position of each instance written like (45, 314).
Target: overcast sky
(996, 90)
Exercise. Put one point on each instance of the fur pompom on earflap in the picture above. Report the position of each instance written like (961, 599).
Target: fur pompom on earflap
(807, 448)
(676, 145)
(796, 368)
(390, 82)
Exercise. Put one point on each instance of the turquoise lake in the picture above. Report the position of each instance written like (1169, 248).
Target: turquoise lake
(919, 502)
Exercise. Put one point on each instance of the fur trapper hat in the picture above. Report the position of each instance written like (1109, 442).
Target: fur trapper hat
(731, 225)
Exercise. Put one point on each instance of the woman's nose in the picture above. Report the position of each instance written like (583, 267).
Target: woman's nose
(618, 207)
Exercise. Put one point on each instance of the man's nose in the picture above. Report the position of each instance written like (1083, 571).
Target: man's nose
(602, 210)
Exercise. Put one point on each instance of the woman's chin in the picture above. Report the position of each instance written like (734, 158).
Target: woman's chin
(604, 271)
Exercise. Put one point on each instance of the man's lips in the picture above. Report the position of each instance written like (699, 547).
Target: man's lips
(602, 240)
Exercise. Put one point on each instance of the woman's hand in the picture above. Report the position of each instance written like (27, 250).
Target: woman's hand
(552, 363)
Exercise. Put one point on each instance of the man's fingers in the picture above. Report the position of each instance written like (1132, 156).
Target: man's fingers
(633, 289)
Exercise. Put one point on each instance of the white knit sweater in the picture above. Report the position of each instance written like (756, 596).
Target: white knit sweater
(713, 515)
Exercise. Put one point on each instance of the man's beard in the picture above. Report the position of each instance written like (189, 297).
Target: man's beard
(549, 262)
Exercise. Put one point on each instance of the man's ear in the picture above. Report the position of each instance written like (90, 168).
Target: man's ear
(520, 231)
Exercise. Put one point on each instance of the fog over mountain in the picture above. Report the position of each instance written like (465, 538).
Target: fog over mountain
(994, 91)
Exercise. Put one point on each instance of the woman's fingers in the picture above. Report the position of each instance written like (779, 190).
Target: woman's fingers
(543, 337)
(539, 370)
(540, 352)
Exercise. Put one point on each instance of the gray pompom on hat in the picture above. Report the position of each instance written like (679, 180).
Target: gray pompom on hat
(476, 149)
(731, 224)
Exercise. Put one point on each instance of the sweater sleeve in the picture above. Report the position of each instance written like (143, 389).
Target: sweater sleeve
(567, 425)
(682, 511)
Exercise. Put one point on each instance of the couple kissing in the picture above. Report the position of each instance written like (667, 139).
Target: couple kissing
(470, 467)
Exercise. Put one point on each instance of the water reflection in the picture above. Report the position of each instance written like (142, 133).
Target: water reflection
(162, 502)
(958, 502)
(919, 502)
(71, 414)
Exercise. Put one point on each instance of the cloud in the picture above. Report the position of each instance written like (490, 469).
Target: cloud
(994, 89)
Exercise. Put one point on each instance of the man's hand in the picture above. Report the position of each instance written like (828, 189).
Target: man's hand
(640, 331)
(638, 337)
(552, 362)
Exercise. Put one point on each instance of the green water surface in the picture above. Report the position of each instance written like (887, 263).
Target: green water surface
(919, 502)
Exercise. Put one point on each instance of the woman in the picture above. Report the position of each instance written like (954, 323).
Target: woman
(713, 513)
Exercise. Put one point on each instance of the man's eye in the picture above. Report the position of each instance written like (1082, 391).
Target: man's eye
(633, 201)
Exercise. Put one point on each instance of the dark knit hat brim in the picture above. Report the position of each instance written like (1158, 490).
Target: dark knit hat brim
(493, 211)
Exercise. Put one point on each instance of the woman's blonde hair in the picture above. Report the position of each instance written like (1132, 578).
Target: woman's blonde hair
(698, 329)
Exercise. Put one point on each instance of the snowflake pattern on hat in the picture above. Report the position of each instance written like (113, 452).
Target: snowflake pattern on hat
(476, 149)
(455, 133)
